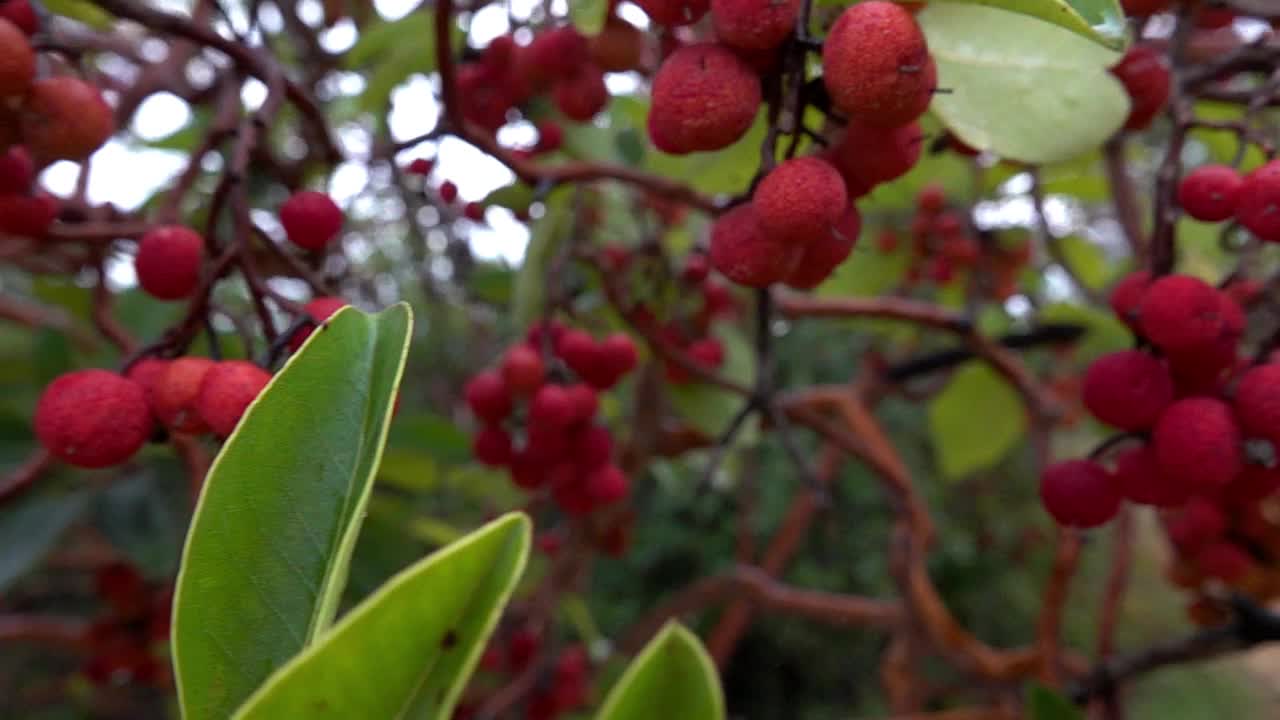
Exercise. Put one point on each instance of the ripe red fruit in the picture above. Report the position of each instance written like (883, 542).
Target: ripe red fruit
(876, 65)
(606, 485)
(226, 392)
(704, 98)
(674, 13)
(1180, 312)
(17, 171)
(311, 219)
(168, 261)
(1145, 76)
(474, 212)
(1211, 18)
(522, 369)
(555, 54)
(821, 258)
(754, 24)
(582, 94)
(21, 14)
(492, 446)
(584, 400)
(618, 353)
(448, 191)
(1143, 8)
(551, 407)
(28, 216)
(696, 268)
(1210, 192)
(1258, 207)
(619, 46)
(932, 199)
(319, 310)
(593, 447)
(1078, 493)
(550, 137)
(1198, 523)
(92, 418)
(65, 118)
(799, 200)
(121, 586)
(545, 330)
(744, 253)
(177, 392)
(17, 61)
(488, 396)
(867, 155)
(147, 373)
(1126, 297)
(1197, 443)
(1224, 560)
(420, 166)
(1127, 389)
(1139, 479)
(522, 648)
(485, 99)
(1253, 483)
(1257, 403)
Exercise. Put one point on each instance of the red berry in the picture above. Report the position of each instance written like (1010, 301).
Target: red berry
(527, 473)
(473, 211)
(876, 65)
(92, 418)
(674, 13)
(448, 191)
(28, 216)
(1139, 479)
(488, 396)
(147, 373)
(522, 648)
(744, 253)
(585, 402)
(1197, 443)
(311, 219)
(168, 261)
(1143, 8)
(65, 118)
(556, 53)
(704, 98)
(1078, 493)
(550, 137)
(800, 200)
(1126, 296)
(177, 391)
(754, 24)
(552, 407)
(549, 329)
(1257, 403)
(319, 310)
(492, 446)
(696, 268)
(1180, 312)
(593, 447)
(17, 61)
(582, 94)
(1224, 560)
(606, 485)
(867, 155)
(420, 166)
(1128, 389)
(17, 171)
(1258, 207)
(549, 543)
(1145, 75)
(1254, 483)
(821, 257)
(932, 199)
(121, 586)
(1199, 522)
(20, 13)
(1210, 192)
(226, 392)
(618, 353)
(522, 369)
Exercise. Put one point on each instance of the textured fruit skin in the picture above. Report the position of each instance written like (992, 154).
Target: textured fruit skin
(1257, 403)
(1138, 476)
(742, 252)
(618, 47)
(866, 155)
(800, 200)
(1078, 493)
(1198, 444)
(821, 258)
(1197, 524)
(674, 13)
(876, 65)
(1127, 390)
(28, 215)
(754, 24)
(228, 388)
(551, 406)
(555, 54)
(311, 219)
(1210, 192)
(1180, 312)
(17, 171)
(318, 309)
(1258, 207)
(1126, 297)
(92, 418)
(1224, 560)
(65, 118)
(168, 261)
(177, 392)
(704, 98)
(492, 446)
(488, 397)
(523, 369)
(147, 373)
(17, 61)
(582, 94)
(1145, 76)
(606, 485)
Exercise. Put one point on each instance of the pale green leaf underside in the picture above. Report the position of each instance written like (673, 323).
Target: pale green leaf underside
(672, 677)
(975, 420)
(1019, 87)
(407, 651)
(1101, 21)
(267, 552)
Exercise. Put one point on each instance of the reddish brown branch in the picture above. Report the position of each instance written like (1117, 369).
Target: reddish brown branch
(66, 633)
(1049, 627)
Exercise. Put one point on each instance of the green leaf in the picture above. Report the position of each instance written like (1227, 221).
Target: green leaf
(672, 674)
(267, 553)
(1101, 21)
(588, 15)
(531, 281)
(1087, 260)
(975, 420)
(408, 650)
(1019, 87)
(85, 12)
(1045, 704)
(710, 408)
(144, 515)
(31, 526)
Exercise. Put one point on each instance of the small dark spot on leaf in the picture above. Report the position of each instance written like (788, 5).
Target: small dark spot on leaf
(449, 640)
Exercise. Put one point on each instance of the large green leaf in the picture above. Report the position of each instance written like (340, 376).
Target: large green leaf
(975, 420)
(407, 651)
(1024, 89)
(30, 526)
(1101, 21)
(267, 553)
(672, 677)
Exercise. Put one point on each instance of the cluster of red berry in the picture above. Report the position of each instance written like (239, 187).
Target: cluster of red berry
(446, 191)
(129, 639)
(561, 447)
(563, 689)
(1213, 193)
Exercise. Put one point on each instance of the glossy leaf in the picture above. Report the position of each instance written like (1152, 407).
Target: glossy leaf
(267, 553)
(975, 420)
(1024, 89)
(1101, 21)
(408, 650)
(672, 677)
